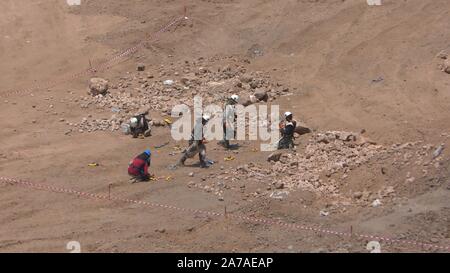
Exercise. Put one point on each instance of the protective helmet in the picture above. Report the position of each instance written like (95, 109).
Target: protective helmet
(287, 114)
(235, 97)
(206, 117)
(148, 152)
(133, 122)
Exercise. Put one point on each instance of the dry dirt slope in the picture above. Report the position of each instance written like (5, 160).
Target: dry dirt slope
(330, 51)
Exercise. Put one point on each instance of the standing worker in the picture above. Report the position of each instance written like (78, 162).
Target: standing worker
(287, 130)
(197, 145)
(229, 120)
(138, 168)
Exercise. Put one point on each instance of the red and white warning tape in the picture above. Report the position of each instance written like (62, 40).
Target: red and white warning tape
(37, 186)
(100, 67)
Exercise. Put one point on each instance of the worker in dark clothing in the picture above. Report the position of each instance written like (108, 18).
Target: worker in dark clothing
(139, 126)
(138, 168)
(197, 145)
(287, 130)
(229, 120)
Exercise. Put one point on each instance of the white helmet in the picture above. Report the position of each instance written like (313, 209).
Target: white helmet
(206, 117)
(235, 97)
(133, 122)
(287, 114)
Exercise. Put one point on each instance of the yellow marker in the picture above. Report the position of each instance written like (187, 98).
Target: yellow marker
(168, 178)
(168, 121)
(229, 158)
(93, 165)
(177, 148)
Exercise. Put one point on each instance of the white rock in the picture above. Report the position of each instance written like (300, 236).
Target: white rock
(376, 203)
(168, 82)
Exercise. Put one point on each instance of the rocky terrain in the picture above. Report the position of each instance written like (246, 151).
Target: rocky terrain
(160, 90)
(371, 84)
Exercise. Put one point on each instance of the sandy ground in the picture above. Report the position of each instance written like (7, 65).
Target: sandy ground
(329, 51)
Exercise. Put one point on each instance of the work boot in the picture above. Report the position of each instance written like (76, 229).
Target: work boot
(133, 180)
(204, 165)
(182, 160)
(148, 133)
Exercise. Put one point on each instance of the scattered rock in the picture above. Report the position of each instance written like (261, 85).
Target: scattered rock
(160, 230)
(346, 136)
(140, 67)
(324, 213)
(275, 156)
(446, 67)
(410, 180)
(438, 151)
(376, 203)
(279, 194)
(190, 229)
(357, 195)
(246, 78)
(279, 185)
(255, 51)
(442, 55)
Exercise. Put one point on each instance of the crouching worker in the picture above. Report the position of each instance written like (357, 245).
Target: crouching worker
(139, 126)
(138, 168)
(197, 145)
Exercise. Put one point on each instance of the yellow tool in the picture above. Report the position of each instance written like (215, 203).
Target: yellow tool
(229, 158)
(153, 178)
(93, 165)
(168, 121)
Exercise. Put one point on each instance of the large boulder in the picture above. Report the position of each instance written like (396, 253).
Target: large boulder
(261, 94)
(98, 86)
(302, 130)
(248, 100)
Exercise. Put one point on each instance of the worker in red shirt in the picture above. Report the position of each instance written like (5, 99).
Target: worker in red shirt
(138, 168)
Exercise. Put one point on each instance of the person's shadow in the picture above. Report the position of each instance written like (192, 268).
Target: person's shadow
(233, 147)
